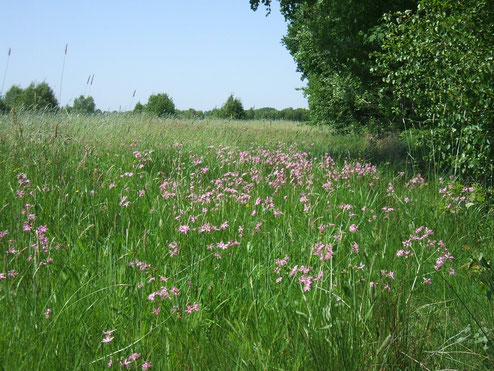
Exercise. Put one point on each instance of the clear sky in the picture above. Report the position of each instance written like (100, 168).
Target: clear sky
(197, 51)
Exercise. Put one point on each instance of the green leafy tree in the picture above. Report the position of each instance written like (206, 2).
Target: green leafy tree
(139, 108)
(266, 113)
(39, 97)
(35, 97)
(232, 109)
(84, 105)
(438, 67)
(13, 97)
(191, 114)
(327, 39)
(160, 104)
(3, 106)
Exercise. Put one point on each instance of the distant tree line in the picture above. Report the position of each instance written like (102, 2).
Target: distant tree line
(39, 97)
(269, 113)
(162, 105)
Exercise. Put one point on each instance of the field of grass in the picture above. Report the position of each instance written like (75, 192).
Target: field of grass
(130, 241)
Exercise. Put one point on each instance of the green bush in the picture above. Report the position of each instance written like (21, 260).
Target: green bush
(139, 108)
(160, 104)
(13, 97)
(84, 105)
(36, 97)
(232, 109)
(438, 68)
(3, 106)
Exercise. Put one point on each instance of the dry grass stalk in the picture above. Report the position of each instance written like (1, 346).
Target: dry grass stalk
(55, 134)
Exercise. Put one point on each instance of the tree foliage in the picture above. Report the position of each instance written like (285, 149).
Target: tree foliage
(139, 108)
(327, 40)
(13, 97)
(270, 113)
(232, 109)
(84, 105)
(36, 97)
(3, 106)
(438, 67)
(160, 104)
(394, 64)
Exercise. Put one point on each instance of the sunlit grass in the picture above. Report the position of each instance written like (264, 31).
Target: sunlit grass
(215, 244)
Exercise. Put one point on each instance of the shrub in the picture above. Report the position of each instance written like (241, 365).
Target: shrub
(3, 107)
(139, 107)
(438, 67)
(13, 97)
(160, 104)
(232, 109)
(84, 105)
(35, 97)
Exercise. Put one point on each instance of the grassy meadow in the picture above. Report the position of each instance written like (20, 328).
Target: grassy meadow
(137, 242)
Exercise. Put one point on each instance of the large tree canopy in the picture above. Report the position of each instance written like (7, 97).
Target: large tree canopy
(328, 40)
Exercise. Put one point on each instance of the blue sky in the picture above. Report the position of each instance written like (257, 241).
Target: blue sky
(197, 51)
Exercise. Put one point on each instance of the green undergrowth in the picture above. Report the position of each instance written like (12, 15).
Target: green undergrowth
(218, 245)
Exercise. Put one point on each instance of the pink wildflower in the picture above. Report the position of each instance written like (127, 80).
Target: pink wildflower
(324, 251)
(192, 308)
(134, 357)
(107, 339)
(125, 363)
(282, 262)
(319, 276)
(12, 273)
(184, 229)
(173, 248)
(277, 213)
(123, 202)
(294, 270)
(146, 365)
(353, 228)
(306, 281)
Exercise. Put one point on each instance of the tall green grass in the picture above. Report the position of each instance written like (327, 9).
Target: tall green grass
(229, 305)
